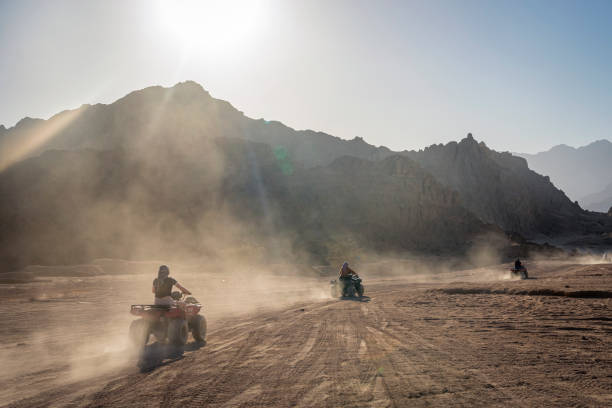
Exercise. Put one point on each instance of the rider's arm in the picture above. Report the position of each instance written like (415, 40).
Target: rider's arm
(184, 290)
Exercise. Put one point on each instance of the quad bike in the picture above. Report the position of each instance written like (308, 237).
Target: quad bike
(170, 323)
(347, 287)
(522, 272)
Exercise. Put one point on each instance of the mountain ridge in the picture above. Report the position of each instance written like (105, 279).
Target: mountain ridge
(600, 201)
(179, 155)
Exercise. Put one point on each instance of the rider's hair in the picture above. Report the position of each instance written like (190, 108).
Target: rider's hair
(162, 274)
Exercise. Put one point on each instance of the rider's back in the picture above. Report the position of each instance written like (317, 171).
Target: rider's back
(163, 287)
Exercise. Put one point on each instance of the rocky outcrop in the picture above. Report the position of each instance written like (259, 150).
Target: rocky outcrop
(500, 189)
(389, 205)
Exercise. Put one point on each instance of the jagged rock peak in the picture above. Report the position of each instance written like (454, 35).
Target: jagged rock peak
(469, 139)
(189, 85)
(182, 90)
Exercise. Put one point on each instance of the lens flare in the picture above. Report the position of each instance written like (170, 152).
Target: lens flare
(210, 25)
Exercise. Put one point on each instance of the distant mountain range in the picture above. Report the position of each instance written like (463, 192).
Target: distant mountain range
(601, 201)
(173, 172)
(583, 173)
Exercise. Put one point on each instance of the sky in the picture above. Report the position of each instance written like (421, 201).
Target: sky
(519, 75)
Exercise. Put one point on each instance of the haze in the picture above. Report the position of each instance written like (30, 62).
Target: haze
(523, 76)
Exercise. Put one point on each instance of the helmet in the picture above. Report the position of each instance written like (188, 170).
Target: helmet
(163, 272)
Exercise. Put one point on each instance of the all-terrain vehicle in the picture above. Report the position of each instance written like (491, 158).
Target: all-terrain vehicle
(521, 272)
(347, 287)
(170, 323)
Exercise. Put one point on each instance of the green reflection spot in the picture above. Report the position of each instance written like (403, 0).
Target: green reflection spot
(283, 160)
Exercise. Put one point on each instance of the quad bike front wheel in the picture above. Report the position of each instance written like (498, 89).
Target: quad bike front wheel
(523, 274)
(198, 328)
(360, 290)
(139, 333)
(178, 332)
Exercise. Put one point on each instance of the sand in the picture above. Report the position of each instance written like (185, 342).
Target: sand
(465, 338)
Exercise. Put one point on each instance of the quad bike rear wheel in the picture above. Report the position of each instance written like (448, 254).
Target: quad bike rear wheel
(178, 332)
(139, 333)
(198, 328)
(159, 332)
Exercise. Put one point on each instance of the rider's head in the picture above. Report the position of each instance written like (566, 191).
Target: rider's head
(164, 272)
(344, 265)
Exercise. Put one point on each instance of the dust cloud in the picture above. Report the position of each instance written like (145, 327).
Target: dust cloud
(74, 327)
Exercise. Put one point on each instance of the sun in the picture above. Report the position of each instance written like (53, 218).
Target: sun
(210, 24)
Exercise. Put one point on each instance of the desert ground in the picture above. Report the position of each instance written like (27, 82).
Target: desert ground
(472, 337)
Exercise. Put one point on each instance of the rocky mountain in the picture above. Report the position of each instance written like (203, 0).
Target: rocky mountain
(579, 172)
(225, 198)
(500, 189)
(184, 113)
(173, 172)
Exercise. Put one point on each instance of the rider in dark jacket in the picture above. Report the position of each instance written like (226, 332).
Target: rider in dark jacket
(346, 274)
(517, 264)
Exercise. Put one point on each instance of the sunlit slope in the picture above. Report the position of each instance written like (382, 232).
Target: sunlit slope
(184, 114)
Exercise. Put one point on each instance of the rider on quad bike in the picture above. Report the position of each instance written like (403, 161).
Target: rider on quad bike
(172, 316)
(517, 264)
(346, 272)
(519, 269)
(349, 281)
(162, 287)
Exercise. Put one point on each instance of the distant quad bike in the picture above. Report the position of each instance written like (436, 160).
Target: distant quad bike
(168, 323)
(347, 287)
(521, 272)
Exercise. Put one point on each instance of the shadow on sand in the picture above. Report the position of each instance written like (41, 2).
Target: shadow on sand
(356, 299)
(159, 354)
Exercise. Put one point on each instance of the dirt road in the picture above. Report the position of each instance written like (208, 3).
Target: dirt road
(541, 342)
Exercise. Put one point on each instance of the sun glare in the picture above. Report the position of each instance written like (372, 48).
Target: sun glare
(210, 24)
